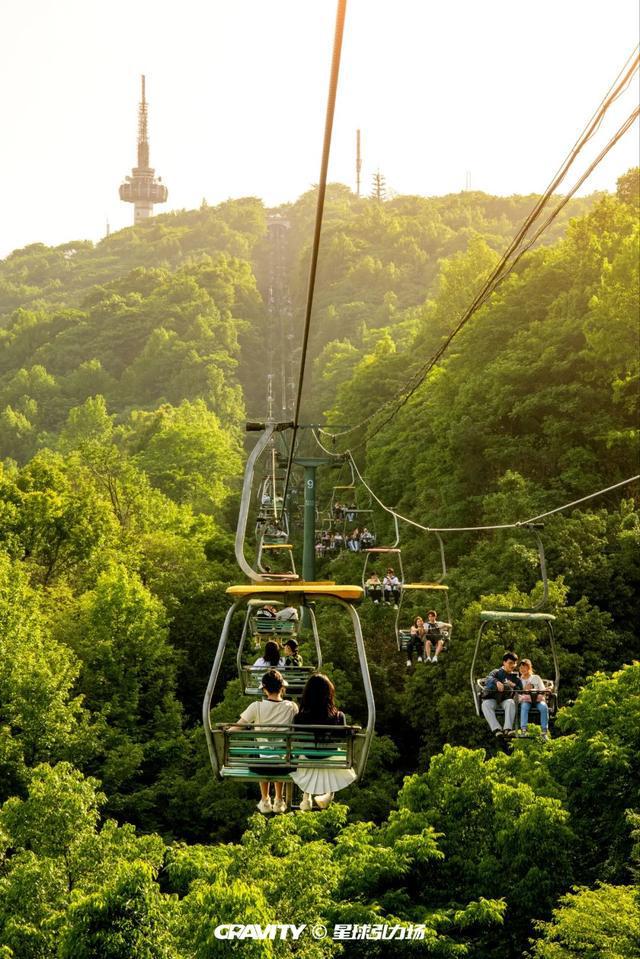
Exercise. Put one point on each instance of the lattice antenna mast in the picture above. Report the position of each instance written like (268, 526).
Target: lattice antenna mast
(358, 163)
(379, 187)
(143, 188)
(143, 137)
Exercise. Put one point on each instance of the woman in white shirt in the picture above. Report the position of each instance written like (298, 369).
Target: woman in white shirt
(529, 697)
(391, 588)
(271, 658)
(273, 710)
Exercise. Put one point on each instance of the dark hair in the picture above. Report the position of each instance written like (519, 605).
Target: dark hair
(272, 653)
(511, 656)
(272, 681)
(317, 702)
(292, 644)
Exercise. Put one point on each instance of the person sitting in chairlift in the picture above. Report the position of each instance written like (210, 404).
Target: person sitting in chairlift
(338, 540)
(350, 513)
(291, 655)
(373, 588)
(354, 541)
(416, 643)
(287, 614)
(271, 656)
(434, 628)
(500, 688)
(367, 539)
(266, 612)
(533, 695)
(318, 708)
(391, 588)
(273, 710)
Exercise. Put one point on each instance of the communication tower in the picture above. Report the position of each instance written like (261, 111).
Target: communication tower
(143, 188)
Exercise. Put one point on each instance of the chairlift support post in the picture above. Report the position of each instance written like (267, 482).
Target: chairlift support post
(310, 464)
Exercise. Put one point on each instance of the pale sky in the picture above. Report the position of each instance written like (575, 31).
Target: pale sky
(237, 95)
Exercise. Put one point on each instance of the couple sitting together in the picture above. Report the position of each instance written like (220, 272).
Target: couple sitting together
(317, 708)
(505, 687)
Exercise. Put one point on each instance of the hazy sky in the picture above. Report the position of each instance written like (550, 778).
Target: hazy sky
(237, 94)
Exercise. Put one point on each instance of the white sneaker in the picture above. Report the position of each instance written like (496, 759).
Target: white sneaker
(428, 659)
(419, 659)
(408, 663)
(265, 806)
(435, 659)
(395, 605)
(325, 800)
(307, 803)
(279, 805)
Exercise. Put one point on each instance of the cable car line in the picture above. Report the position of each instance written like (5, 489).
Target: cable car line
(322, 188)
(494, 283)
(516, 248)
(471, 529)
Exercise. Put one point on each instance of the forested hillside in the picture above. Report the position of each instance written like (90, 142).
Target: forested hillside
(127, 371)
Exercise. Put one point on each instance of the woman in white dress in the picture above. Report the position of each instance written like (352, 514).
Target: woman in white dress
(318, 708)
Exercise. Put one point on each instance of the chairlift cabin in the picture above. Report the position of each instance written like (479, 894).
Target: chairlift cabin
(346, 513)
(534, 617)
(273, 752)
(280, 553)
(416, 598)
(336, 507)
(260, 630)
(390, 555)
(425, 595)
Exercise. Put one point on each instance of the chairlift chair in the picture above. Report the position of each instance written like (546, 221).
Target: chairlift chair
(261, 574)
(385, 552)
(443, 634)
(531, 616)
(403, 635)
(250, 755)
(282, 552)
(261, 630)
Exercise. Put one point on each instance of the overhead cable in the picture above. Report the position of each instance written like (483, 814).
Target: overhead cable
(515, 249)
(322, 188)
(472, 529)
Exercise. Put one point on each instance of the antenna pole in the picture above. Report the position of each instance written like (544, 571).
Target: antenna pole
(142, 187)
(358, 163)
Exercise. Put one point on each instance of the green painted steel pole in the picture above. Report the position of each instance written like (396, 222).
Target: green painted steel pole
(310, 464)
(309, 544)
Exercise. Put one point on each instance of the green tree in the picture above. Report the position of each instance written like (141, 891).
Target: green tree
(119, 632)
(187, 454)
(604, 921)
(128, 918)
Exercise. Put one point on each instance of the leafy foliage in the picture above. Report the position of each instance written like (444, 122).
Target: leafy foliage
(125, 372)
